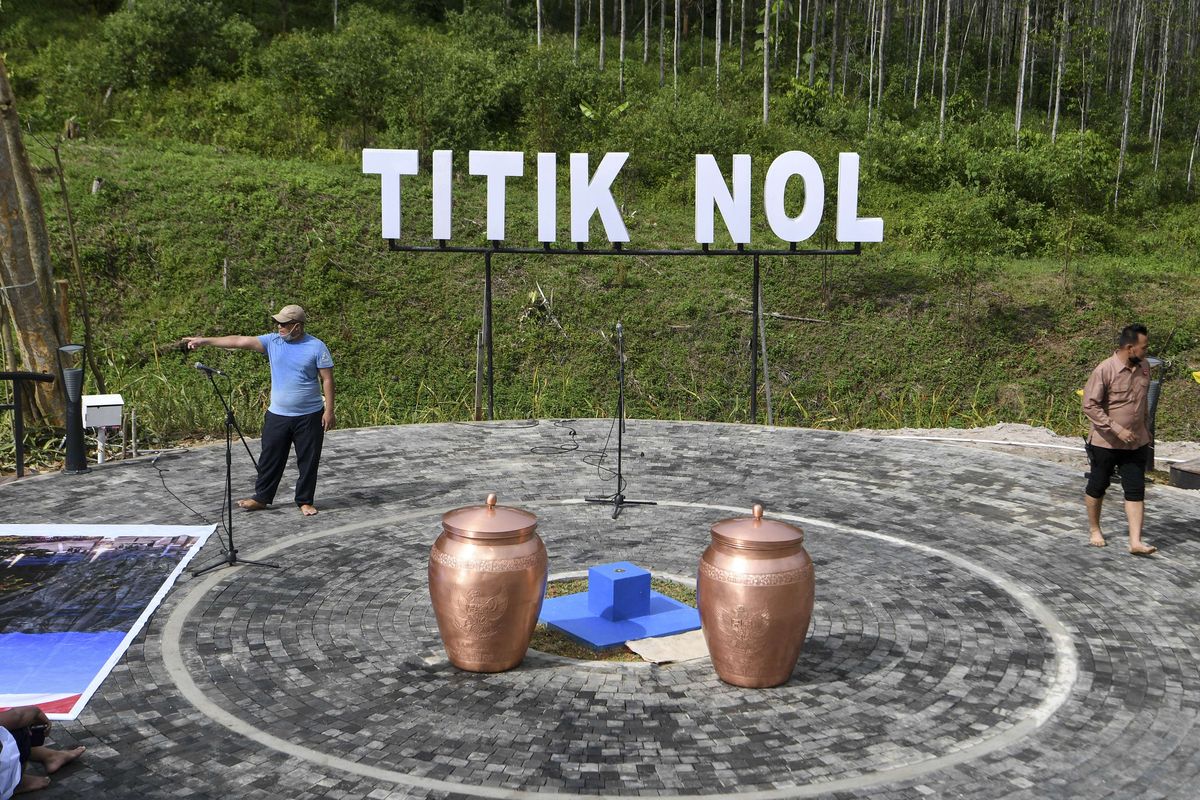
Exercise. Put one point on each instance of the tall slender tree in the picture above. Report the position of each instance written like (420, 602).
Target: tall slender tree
(26, 277)
(1127, 98)
(766, 59)
(717, 46)
(945, 62)
(1021, 72)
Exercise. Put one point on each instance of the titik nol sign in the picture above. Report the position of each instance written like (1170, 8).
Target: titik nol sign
(591, 193)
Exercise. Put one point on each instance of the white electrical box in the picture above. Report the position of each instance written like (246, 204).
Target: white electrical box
(102, 410)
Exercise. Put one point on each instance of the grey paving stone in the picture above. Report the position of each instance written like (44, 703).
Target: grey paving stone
(919, 647)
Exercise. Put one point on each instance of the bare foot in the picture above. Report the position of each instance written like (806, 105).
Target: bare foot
(31, 783)
(250, 504)
(1097, 539)
(1143, 549)
(308, 510)
(54, 760)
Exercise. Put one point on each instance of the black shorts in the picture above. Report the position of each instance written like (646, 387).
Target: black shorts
(1130, 463)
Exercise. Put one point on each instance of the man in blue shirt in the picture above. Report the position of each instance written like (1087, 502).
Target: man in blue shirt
(301, 407)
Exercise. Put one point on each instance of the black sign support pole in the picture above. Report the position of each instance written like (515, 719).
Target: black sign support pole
(487, 325)
(618, 249)
(754, 347)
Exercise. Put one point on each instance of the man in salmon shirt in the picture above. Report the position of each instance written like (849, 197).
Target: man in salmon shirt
(1115, 401)
(301, 407)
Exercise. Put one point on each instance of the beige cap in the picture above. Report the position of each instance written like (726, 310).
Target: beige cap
(290, 313)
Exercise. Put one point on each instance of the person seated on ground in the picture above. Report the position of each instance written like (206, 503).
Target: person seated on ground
(22, 739)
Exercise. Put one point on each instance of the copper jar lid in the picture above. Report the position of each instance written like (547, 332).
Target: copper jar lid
(489, 521)
(756, 533)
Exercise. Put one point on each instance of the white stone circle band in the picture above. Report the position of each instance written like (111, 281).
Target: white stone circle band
(1064, 675)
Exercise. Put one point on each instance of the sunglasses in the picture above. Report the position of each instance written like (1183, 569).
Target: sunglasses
(284, 324)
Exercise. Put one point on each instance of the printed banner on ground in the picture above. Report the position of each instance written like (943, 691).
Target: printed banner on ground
(72, 598)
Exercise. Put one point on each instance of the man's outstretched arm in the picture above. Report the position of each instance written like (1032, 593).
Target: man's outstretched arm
(228, 342)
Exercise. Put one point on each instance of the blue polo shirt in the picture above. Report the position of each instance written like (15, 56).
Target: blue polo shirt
(295, 388)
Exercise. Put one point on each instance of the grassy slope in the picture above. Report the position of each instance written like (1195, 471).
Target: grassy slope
(899, 348)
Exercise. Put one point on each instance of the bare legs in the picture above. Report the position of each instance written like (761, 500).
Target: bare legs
(1135, 514)
(52, 760)
(1093, 512)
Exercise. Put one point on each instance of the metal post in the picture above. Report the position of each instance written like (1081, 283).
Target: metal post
(487, 327)
(18, 428)
(1152, 395)
(754, 348)
(76, 462)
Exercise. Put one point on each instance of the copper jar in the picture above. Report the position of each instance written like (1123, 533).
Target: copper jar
(487, 578)
(755, 592)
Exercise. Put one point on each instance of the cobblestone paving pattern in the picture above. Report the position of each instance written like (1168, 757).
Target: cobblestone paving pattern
(912, 658)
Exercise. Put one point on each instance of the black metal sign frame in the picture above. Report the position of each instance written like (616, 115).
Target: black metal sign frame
(617, 249)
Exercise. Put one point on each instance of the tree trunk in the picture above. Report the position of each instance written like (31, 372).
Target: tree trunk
(662, 50)
(870, 63)
(1127, 100)
(1021, 70)
(1192, 157)
(833, 47)
(1062, 57)
(945, 62)
(920, 55)
(25, 272)
(717, 46)
(883, 25)
(621, 56)
(742, 40)
(799, 34)
(646, 34)
(601, 5)
(1160, 106)
(766, 59)
(818, 18)
(991, 37)
(575, 39)
(675, 49)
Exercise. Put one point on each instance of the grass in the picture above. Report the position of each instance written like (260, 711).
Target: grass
(549, 640)
(895, 345)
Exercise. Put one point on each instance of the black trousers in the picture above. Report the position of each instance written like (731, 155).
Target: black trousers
(27, 739)
(1130, 463)
(278, 435)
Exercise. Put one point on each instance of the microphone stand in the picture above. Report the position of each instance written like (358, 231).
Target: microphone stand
(230, 559)
(618, 500)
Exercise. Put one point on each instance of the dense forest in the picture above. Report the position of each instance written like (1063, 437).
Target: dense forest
(1034, 161)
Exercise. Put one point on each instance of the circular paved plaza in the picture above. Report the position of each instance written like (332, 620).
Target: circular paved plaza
(965, 641)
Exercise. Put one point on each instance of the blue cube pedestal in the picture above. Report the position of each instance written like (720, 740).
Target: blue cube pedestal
(576, 614)
(618, 591)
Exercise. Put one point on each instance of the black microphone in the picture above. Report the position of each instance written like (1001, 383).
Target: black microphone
(209, 370)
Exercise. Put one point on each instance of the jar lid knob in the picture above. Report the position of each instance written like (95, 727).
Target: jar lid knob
(491, 500)
(757, 511)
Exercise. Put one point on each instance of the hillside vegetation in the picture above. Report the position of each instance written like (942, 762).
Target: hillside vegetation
(228, 153)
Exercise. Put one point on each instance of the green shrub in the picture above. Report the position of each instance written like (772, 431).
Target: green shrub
(151, 42)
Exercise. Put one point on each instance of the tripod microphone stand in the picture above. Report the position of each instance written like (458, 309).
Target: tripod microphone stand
(230, 559)
(618, 499)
